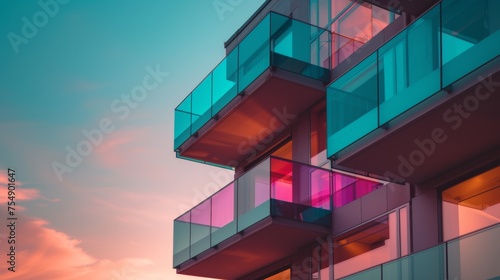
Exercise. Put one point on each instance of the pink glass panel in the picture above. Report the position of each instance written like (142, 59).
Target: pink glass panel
(223, 206)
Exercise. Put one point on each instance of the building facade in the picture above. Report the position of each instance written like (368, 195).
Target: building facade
(365, 140)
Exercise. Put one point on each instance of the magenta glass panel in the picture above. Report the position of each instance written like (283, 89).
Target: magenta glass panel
(349, 188)
(282, 180)
(320, 188)
(223, 207)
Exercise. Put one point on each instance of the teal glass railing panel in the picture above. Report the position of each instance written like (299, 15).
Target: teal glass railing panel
(182, 126)
(299, 47)
(409, 67)
(254, 195)
(225, 81)
(254, 53)
(471, 36)
(200, 103)
(182, 229)
(352, 105)
(476, 256)
(371, 274)
(428, 264)
(200, 227)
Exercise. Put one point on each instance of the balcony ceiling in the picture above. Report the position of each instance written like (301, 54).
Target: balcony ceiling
(467, 137)
(264, 243)
(255, 121)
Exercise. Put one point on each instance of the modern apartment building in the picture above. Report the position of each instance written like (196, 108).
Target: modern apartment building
(365, 140)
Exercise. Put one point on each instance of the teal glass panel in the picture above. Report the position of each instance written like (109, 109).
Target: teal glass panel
(352, 105)
(201, 103)
(223, 214)
(294, 42)
(254, 54)
(182, 126)
(370, 274)
(427, 264)
(253, 195)
(409, 66)
(200, 227)
(225, 82)
(471, 36)
(181, 239)
(476, 256)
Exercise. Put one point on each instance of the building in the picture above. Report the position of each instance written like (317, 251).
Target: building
(365, 139)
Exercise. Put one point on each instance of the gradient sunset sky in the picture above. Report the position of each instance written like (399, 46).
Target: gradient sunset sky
(88, 91)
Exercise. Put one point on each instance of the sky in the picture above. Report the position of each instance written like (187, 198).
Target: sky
(88, 91)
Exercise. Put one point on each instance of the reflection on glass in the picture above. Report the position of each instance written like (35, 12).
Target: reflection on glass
(369, 245)
(471, 205)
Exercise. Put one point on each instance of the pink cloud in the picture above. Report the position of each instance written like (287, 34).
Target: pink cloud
(43, 253)
(19, 192)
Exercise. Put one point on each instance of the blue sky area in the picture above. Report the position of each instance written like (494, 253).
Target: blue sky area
(88, 91)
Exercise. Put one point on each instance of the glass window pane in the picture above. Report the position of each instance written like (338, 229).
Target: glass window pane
(471, 36)
(409, 67)
(223, 213)
(471, 205)
(404, 231)
(369, 245)
(475, 256)
(201, 102)
(181, 238)
(182, 122)
(225, 78)
(372, 274)
(254, 54)
(428, 264)
(200, 227)
(253, 195)
(352, 105)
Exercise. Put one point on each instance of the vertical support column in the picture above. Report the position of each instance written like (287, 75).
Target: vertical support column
(301, 140)
(425, 220)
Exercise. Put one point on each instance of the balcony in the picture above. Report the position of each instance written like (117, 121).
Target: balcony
(474, 256)
(420, 89)
(276, 72)
(262, 217)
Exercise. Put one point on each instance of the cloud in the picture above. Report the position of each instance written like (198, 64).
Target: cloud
(43, 253)
(19, 193)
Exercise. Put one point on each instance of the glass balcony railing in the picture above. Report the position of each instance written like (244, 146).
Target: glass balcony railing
(348, 188)
(441, 47)
(474, 256)
(276, 41)
(275, 187)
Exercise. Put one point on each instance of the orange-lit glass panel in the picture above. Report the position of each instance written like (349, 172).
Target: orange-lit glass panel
(472, 205)
(370, 245)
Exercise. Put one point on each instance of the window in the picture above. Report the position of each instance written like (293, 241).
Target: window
(283, 275)
(472, 204)
(376, 242)
(318, 135)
